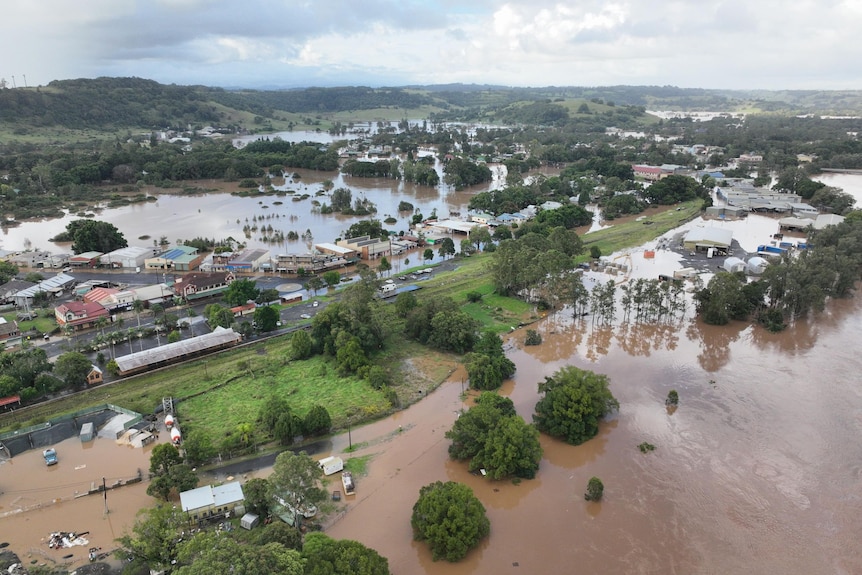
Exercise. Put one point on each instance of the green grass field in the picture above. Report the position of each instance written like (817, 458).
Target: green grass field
(303, 383)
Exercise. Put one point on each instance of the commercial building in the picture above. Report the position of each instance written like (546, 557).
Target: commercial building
(704, 238)
(180, 258)
(131, 257)
(220, 338)
(79, 314)
(367, 247)
(200, 285)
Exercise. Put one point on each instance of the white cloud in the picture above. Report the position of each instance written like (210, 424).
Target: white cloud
(708, 43)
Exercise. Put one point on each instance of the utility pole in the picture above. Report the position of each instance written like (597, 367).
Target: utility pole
(105, 491)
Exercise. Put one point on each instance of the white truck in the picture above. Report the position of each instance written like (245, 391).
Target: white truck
(331, 465)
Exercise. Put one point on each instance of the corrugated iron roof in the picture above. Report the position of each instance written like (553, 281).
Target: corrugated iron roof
(220, 336)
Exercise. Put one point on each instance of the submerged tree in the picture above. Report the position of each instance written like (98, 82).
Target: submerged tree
(573, 403)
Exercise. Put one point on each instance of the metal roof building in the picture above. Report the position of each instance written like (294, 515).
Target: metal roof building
(140, 361)
(708, 237)
(209, 497)
(53, 286)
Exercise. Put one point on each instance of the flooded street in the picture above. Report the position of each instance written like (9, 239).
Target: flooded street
(36, 500)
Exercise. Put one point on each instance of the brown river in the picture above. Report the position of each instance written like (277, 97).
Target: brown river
(759, 470)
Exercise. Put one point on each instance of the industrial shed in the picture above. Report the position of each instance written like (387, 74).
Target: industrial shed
(140, 361)
(703, 238)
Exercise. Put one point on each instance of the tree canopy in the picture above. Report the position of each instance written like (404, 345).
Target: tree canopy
(72, 367)
(298, 480)
(496, 439)
(169, 472)
(450, 518)
(327, 556)
(573, 402)
(94, 236)
(241, 291)
(209, 552)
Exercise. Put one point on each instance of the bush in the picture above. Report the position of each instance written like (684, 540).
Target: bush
(672, 398)
(573, 403)
(595, 489)
(533, 337)
(450, 518)
(646, 447)
(595, 252)
(474, 296)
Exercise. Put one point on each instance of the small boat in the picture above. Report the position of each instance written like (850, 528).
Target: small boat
(347, 482)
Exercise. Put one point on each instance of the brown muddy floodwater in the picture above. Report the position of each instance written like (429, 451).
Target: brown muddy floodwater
(757, 471)
(36, 500)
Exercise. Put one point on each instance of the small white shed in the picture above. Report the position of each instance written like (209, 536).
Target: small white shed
(734, 265)
(249, 521)
(757, 265)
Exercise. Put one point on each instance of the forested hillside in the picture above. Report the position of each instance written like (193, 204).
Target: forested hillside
(112, 104)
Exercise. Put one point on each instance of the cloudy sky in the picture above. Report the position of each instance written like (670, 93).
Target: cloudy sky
(770, 44)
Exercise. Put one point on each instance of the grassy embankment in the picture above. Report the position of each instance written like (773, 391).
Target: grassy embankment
(629, 233)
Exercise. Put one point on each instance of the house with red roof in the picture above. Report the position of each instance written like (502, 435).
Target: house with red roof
(79, 314)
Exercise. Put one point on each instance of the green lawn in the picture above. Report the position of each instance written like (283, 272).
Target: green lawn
(303, 383)
(495, 312)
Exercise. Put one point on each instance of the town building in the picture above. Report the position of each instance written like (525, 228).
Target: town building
(140, 361)
(85, 260)
(367, 247)
(79, 314)
(199, 285)
(310, 263)
(53, 287)
(208, 501)
(346, 252)
(248, 261)
(94, 376)
(131, 257)
(705, 238)
(9, 331)
(179, 258)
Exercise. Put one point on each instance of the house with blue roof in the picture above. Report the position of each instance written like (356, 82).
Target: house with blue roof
(179, 258)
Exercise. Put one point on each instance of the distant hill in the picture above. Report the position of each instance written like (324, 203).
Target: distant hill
(112, 104)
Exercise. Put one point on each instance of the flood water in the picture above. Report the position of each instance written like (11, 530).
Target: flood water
(36, 500)
(759, 470)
